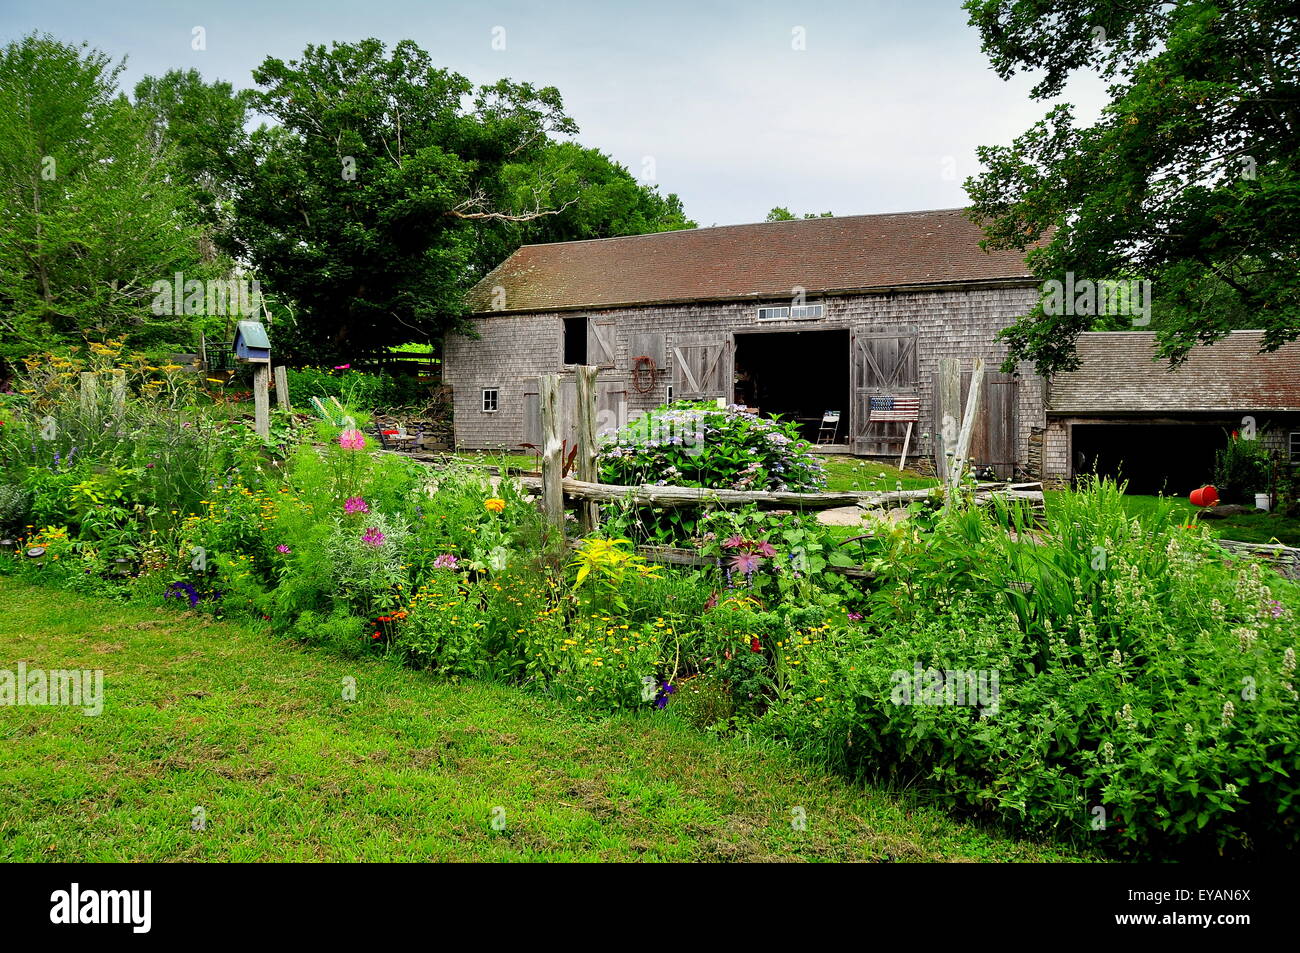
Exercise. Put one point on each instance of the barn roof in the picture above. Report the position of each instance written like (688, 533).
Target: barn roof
(1120, 373)
(763, 261)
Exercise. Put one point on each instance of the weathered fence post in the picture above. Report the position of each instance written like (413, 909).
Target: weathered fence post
(947, 397)
(117, 392)
(585, 380)
(552, 451)
(967, 423)
(262, 399)
(90, 395)
(281, 387)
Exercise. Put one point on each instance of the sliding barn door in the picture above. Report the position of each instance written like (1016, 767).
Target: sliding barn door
(884, 365)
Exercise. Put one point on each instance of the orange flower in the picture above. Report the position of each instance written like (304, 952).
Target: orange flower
(494, 505)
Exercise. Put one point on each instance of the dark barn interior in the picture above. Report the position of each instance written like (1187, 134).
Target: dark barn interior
(1154, 458)
(798, 375)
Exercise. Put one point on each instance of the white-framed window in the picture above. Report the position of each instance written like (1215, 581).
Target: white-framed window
(669, 393)
(798, 312)
(489, 400)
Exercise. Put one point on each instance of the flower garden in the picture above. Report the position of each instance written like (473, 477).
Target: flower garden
(1109, 680)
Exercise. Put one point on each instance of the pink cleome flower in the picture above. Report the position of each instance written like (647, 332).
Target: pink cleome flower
(355, 504)
(372, 537)
(282, 548)
(352, 440)
(445, 561)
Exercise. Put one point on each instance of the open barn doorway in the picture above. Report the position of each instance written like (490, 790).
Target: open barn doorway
(1154, 458)
(799, 375)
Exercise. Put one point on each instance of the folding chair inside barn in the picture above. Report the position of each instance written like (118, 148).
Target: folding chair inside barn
(830, 428)
(896, 410)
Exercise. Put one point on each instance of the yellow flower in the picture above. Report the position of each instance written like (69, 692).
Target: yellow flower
(494, 504)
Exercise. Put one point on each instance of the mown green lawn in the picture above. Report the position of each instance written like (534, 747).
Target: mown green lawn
(488, 458)
(255, 730)
(847, 474)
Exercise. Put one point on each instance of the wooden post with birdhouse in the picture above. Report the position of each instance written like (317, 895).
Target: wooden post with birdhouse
(253, 346)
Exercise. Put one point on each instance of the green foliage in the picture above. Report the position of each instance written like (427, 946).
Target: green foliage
(1174, 146)
(1242, 468)
(15, 506)
(358, 389)
(1137, 673)
(782, 214)
(94, 210)
(605, 567)
(690, 443)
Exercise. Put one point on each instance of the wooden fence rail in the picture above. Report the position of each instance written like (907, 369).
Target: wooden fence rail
(554, 487)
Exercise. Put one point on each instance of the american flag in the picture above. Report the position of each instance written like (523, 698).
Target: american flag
(891, 409)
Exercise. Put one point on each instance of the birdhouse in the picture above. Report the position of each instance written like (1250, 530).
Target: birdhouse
(252, 344)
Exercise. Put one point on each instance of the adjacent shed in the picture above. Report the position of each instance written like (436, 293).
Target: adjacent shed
(1126, 413)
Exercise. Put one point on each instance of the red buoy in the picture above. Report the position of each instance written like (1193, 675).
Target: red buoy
(1205, 496)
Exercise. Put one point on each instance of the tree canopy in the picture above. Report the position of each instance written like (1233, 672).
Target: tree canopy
(385, 186)
(92, 210)
(1188, 180)
(782, 214)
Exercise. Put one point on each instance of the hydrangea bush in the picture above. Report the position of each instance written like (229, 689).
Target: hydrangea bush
(689, 443)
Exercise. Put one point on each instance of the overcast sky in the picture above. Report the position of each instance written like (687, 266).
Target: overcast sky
(879, 111)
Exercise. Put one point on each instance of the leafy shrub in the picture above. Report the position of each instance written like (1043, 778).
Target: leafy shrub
(1241, 469)
(699, 444)
(382, 391)
(1136, 673)
(15, 506)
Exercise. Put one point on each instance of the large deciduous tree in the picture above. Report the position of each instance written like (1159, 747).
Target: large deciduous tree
(1188, 179)
(385, 187)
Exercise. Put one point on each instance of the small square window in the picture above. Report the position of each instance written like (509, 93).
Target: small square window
(1295, 448)
(489, 400)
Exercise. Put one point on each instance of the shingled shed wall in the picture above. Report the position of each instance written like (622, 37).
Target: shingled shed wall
(514, 348)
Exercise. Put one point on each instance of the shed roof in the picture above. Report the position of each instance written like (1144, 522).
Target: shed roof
(767, 260)
(253, 333)
(1120, 373)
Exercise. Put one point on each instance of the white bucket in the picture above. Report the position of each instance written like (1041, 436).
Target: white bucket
(1261, 501)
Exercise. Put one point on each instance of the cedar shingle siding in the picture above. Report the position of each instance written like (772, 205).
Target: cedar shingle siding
(683, 298)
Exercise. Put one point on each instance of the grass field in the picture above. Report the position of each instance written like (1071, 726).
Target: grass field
(255, 731)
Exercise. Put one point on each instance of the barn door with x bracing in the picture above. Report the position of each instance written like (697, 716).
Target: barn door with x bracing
(701, 368)
(884, 365)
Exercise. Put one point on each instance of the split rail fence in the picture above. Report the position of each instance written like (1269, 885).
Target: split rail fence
(584, 490)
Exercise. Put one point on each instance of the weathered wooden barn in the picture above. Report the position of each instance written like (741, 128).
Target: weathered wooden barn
(798, 318)
(794, 318)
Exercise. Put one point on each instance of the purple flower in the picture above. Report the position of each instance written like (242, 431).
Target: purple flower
(355, 504)
(282, 548)
(745, 562)
(1276, 608)
(855, 616)
(179, 590)
(661, 700)
(445, 561)
(372, 537)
